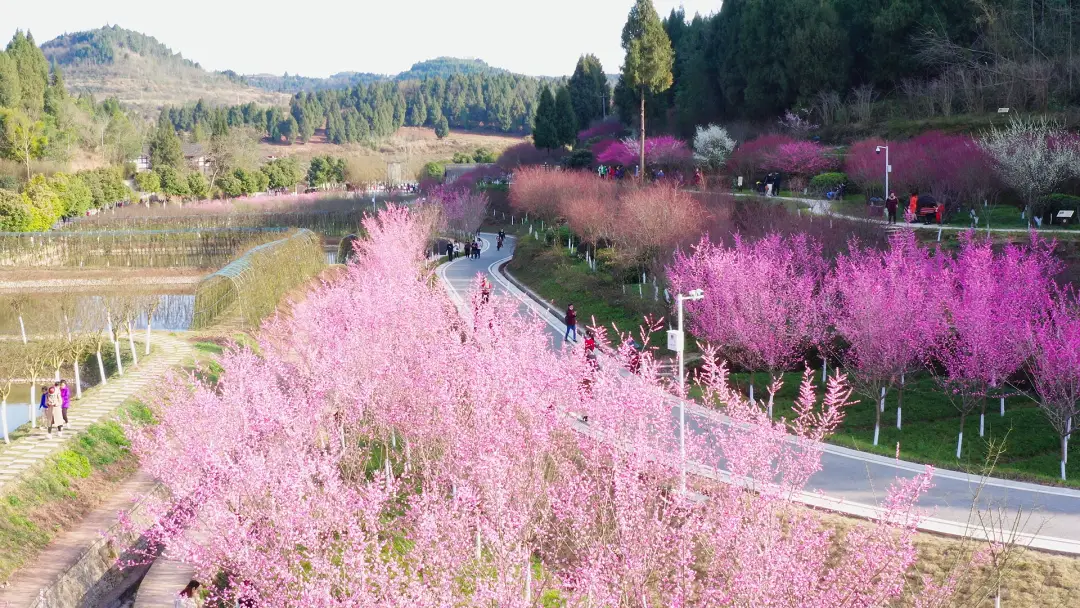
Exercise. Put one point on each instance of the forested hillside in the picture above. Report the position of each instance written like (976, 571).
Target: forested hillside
(291, 83)
(500, 102)
(141, 72)
(856, 60)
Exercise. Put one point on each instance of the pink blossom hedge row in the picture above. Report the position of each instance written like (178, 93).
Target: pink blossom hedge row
(383, 449)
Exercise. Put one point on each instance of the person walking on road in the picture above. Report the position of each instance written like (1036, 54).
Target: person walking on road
(53, 415)
(571, 323)
(891, 205)
(65, 399)
(450, 251)
(485, 290)
(477, 246)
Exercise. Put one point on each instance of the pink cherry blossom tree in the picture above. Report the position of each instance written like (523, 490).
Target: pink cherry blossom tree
(1055, 366)
(888, 307)
(992, 301)
(385, 448)
(763, 300)
(801, 160)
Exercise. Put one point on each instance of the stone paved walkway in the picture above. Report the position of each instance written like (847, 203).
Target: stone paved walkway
(96, 405)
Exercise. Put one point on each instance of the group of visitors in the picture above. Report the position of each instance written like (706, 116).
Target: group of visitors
(930, 209)
(470, 249)
(55, 400)
(771, 186)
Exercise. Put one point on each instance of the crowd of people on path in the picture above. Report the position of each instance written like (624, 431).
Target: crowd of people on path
(926, 208)
(619, 172)
(470, 249)
(55, 401)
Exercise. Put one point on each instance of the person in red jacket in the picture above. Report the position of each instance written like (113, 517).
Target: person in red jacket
(571, 323)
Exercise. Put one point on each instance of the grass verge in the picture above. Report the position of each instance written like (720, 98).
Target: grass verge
(65, 487)
(561, 279)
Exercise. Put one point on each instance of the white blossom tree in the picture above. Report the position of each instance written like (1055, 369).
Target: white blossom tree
(712, 146)
(1033, 156)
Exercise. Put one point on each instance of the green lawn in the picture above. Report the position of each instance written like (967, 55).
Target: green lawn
(930, 425)
(1001, 216)
(562, 279)
(930, 422)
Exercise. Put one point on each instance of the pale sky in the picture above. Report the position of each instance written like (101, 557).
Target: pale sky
(540, 37)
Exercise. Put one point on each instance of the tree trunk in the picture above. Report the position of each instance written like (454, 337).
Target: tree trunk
(101, 368)
(3, 419)
(1064, 453)
(877, 416)
(641, 165)
(960, 439)
(982, 418)
(899, 402)
(119, 362)
(78, 380)
(131, 344)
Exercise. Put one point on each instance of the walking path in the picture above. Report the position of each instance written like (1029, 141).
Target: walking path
(70, 547)
(851, 482)
(824, 207)
(97, 404)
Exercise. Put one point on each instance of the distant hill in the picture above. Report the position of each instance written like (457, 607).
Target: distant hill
(143, 73)
(293, 83)
(445, 66)
(440, 66)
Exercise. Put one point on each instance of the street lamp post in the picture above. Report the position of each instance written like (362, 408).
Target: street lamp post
(677, 342)
(888, 168)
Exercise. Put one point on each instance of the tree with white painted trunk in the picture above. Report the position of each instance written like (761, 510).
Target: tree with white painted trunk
(1055, 368)
(993, 298)
(887, 308)
(56, 354)
(19, 305)
(765, 306)
(34, 361)
(149, 305)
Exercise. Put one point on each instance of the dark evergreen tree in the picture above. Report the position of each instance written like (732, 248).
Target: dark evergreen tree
(589, 91)
(649, 57)
(564, 119)
(545, 130)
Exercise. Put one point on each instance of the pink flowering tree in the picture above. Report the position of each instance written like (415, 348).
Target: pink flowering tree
(993, 299)
(752, 156)
(762, 308)
(664, 151)
(463, 209)
(388, 448)
(801, 160)
(888, 307)
(1055, 367)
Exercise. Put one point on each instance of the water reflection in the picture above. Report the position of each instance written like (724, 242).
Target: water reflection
(174, 312)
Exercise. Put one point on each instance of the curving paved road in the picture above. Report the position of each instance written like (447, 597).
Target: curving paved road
(854, 482)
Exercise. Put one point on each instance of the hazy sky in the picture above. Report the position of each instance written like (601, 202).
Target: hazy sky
(538, 37)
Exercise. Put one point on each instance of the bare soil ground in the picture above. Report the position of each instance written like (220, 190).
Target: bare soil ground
(46, 279)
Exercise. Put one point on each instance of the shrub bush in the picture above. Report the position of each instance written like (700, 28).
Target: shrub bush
(1058, 202)
(578, 159)
(825, 182)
